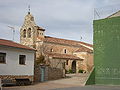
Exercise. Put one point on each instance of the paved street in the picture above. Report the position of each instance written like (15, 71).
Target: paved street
(52, 86)
(72, 79)
(91, 88)
(70, 83)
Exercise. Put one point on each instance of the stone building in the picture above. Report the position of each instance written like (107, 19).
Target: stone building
(58, 53)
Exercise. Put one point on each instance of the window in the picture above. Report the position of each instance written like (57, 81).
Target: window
(22, 59)
(67, 62)
(65, 51)
(37, 33)
(24, 33)
(51, 50)
(29, 32)
(2, 57)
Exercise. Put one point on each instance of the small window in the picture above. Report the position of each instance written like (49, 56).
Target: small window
(65, 51)
(51, 50)
(24, 33)
(2, 57)
(22, 59)
(37, 33)
(29, 32)
(67, 62)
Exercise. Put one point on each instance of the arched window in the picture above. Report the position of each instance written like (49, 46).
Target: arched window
(29, 32)
(67, 62)
(65, 51)
(51, 50)
(37, 33)
(24, 33)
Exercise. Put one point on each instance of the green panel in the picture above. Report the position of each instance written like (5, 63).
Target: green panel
(107, 51)
(91, 79)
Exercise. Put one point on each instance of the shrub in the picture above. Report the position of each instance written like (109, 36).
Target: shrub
(81, 71)
(70, 71)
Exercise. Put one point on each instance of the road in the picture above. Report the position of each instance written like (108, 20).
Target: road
(70, 83)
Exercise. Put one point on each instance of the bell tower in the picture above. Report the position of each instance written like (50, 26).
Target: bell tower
(30, 33)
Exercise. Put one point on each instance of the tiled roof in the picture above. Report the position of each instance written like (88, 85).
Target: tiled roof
(9, 43)
(65, 41)
(116, 14)
(84, 49)
(63, 56)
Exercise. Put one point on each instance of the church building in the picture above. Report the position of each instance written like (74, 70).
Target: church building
(57, 52)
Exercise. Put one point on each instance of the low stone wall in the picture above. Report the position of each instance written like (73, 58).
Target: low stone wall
(55, 73)
(49, 73)
(13, 77)
(37, 73)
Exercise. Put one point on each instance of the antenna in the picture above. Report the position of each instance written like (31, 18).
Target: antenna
(96, 13)
(12, 28)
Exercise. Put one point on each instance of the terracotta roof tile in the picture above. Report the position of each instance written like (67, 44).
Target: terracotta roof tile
(84, 49)
(65, 41)
(63, 56)
(9, 43)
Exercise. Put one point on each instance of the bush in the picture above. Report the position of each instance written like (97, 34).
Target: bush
(81, 71)
(70, 71)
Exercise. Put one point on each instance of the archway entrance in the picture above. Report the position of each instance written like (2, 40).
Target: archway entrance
(74, 66)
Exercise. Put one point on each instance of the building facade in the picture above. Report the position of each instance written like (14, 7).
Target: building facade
(107, 50)
(58, 53)
(16, 61)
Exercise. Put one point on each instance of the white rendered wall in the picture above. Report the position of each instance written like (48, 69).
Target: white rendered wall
(12, 66)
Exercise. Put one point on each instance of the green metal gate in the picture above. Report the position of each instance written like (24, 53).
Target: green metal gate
(42, 70)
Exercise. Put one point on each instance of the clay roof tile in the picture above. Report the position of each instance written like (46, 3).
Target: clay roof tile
(9, 43)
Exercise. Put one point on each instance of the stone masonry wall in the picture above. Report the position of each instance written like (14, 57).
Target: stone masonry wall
(55, 73)
(50, 73)
(58, 48)
(13, 77)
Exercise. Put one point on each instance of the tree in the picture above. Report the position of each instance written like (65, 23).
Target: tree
(40, 60)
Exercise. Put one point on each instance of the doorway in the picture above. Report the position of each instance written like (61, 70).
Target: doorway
(74, 66)
(42, 70)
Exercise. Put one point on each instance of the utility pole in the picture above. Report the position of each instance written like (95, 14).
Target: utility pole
(13, 29)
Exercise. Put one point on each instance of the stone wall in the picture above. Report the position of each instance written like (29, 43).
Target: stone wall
(13, 77)
(37, 73)
(59, 48)
(50, 73)
(55, 73)
(87, 62)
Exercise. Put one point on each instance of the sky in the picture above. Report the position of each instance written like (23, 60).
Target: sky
(67, 19)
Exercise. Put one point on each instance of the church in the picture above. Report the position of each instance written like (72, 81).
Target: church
(58, 53)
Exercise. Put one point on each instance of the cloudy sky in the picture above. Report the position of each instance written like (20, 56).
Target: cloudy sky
(69, 19)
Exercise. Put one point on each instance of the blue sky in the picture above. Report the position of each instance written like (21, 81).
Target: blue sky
(69, 19)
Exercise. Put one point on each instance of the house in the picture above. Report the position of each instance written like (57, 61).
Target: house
(16, 61)
(58, 53)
